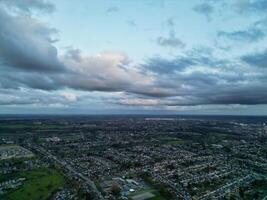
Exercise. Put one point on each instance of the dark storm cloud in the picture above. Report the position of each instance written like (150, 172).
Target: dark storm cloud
(7, 83)
(238, 99)
(211, 95)
(208, 82)
(215, 93)
(250, 35)
(35, 80)
(205, 9)
(256, 59)
(27, 44)
(156, 91)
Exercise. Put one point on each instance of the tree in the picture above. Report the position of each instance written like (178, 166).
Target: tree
(115, 189)
(241, 193)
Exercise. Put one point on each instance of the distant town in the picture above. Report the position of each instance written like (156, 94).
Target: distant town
(133, 157)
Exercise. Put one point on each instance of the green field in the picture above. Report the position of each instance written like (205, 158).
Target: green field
(141, 192)
(175, 142)
(171, 140)
(259, 188)
(7, 146)
(40, 185)
(157, 198)
(153, 191)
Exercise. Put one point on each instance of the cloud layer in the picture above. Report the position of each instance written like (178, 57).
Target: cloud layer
(30, 61)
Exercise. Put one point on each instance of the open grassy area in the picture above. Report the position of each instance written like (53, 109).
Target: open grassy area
(259, 188)
(5, 146)
(40, 185)
(171, 140)
(159, 190)
(153, 191)
(175, 142)
(157, 198)
(142, 192)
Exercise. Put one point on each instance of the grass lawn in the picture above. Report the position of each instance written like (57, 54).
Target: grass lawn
(40, 185)
(175, 142)
(171, 140)
(157, 198)
(142, 192)
(153, 191)
(3, 146)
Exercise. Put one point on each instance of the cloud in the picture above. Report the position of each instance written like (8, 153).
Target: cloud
(69, 96)
(261, 23)
(170, 41)
(195, 79)
(211, 94)
(21, 97)
(189, 80)
(26, 44)
(14, 100)
(73, 54)
(197, 57)
(256, 59)
(28, 5)
(170, 22)
(165, 66)
(102, 72)
(204, 9)
(131, 23)
(29, 60)
(138, 102)
(112, 9)
(248, 6)
(249, 35)
(33, 80)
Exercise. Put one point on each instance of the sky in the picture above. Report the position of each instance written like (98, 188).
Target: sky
(133, 57)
